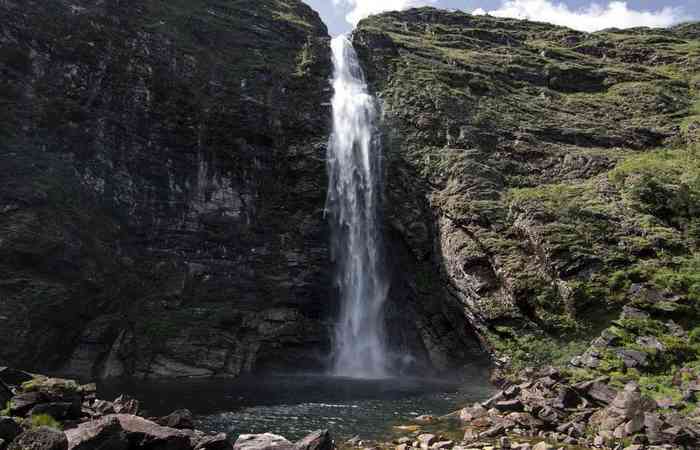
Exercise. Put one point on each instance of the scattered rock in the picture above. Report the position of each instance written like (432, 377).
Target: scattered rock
(42, 438)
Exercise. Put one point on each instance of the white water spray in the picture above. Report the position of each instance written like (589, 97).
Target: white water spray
(354, 195)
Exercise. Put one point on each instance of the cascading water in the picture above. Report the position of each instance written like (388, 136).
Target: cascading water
(354, 194)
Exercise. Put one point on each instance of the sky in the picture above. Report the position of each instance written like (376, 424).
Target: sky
(585, 15)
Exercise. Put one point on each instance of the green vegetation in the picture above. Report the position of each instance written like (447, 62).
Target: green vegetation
(44, 420)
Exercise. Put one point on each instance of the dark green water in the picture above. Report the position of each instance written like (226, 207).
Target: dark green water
(296, 405)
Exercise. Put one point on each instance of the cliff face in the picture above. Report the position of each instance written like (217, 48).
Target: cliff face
(543, 179)
(163, 179)
(163, 183)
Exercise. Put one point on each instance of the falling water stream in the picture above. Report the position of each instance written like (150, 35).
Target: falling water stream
(354, 194)
(361, 395)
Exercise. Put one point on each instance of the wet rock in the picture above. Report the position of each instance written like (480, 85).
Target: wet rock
(42, 438)
(181, 419)
(144, 434)
(9, 429)
(103, 434)
(265, 441)
(318, 440)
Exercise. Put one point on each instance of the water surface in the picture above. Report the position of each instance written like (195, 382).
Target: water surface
(296, 405)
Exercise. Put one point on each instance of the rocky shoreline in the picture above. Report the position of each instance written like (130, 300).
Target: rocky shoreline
(544, 410)
(43, 413)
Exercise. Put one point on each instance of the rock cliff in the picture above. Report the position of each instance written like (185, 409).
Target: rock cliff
(163, 183)
(544, 179)
(164, 179)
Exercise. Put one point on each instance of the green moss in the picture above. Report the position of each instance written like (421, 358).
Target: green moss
(44, 420)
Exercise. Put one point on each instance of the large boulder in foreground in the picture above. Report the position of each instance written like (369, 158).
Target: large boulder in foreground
(103, 434)
(265, 441)
(144, 434)
(42, 438)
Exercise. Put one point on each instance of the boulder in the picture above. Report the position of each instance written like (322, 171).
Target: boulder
(103, 407)
(144, 434)
(600, 392)
(21, 404)
(628, 403)
(42, 438)
(181, 419)
(632, 358)
(318, 440)
(442, 445)
(265, 441)
(126, 405)
(475, 412)
(214, 442)
(9, 429)
(103, 434)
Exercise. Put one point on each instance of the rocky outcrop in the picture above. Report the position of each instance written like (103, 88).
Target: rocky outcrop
(521, 177)
(98, 426)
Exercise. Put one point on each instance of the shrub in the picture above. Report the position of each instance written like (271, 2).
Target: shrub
(44, 420)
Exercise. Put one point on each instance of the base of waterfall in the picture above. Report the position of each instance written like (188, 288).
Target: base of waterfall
(546, 410)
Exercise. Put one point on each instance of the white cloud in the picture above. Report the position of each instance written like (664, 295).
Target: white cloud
(591, 18)
(364, 8)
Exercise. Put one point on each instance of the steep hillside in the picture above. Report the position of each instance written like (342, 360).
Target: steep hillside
(162, 172)
(546, 179)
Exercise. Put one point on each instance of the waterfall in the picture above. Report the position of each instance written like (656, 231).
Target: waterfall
(354, 196)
